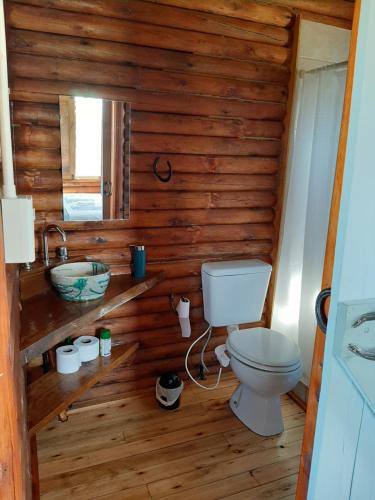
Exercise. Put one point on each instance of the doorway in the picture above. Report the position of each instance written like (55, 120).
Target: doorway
(317, 112)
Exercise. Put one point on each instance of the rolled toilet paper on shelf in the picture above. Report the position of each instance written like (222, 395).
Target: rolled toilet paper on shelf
(183, 310)
(88, 347)
(67, 359)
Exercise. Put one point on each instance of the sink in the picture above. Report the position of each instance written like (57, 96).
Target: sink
(81, 281)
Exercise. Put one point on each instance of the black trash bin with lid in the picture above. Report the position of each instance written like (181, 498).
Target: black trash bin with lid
(168, 390)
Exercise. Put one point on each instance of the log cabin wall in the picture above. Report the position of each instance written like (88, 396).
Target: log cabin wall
(208, 93)
(14, 449)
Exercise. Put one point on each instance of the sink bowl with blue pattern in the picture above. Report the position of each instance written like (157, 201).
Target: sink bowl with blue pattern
(81, 281)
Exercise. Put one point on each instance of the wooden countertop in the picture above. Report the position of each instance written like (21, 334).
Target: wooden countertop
(47, 319)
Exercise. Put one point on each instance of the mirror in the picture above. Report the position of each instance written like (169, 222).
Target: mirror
(95, 155)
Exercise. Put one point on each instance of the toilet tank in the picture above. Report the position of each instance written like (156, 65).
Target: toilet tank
(234, 291)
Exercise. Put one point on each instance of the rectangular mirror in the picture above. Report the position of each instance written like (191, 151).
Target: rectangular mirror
(95, 156)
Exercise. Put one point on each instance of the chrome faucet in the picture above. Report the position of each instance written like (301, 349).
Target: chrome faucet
(370, 316)
(46, 230)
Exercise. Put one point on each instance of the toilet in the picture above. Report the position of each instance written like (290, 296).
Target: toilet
(266, 362)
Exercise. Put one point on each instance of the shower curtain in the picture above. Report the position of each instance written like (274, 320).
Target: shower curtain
(311, 170)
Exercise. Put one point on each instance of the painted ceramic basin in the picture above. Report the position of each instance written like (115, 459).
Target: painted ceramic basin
(81, 281)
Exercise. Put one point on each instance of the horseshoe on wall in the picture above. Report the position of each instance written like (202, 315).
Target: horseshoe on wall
(157, 174)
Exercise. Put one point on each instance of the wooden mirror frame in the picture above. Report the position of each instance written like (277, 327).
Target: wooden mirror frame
(114, 181)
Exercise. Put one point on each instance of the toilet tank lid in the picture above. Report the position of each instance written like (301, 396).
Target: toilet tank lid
(236, 267)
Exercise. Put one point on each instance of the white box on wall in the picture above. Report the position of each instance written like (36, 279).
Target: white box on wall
(18, 227)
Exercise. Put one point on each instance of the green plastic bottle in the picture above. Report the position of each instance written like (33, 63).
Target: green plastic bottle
(105, 342)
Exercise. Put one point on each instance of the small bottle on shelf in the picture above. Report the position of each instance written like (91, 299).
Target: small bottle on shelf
(105, 342)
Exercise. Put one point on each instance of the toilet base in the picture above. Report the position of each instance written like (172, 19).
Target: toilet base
(260, 414)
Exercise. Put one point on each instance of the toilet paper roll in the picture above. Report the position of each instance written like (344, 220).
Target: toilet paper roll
(183, 309)
(67, 359)
(88, 347)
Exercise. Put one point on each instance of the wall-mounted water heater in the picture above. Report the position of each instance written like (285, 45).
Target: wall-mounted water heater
(17, 211)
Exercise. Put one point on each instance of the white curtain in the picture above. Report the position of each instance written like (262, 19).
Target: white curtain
(311, 170)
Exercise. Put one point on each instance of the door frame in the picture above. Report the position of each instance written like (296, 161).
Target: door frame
(317, 362)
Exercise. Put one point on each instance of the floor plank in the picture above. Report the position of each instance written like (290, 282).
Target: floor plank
(276, 490)
(244, 482)
(137, 493)
(132, 449)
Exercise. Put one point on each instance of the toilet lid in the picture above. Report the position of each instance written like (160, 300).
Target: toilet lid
(263, 347)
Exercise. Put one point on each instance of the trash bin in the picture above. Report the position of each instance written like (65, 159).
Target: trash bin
(168, 390)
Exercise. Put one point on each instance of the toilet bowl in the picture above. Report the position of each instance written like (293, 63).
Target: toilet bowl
(266, 362)
(267, 365)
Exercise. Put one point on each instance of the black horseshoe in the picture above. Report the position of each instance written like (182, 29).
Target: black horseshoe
(167, 178)
(319, 309)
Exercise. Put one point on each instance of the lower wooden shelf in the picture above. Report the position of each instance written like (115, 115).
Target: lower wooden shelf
(54, 392)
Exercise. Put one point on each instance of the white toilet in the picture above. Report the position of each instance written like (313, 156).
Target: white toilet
(266, 362)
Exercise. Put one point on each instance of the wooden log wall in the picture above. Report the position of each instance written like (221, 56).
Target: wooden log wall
(15, 478)
(208, 93)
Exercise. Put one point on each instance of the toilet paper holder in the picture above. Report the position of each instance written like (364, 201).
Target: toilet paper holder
(182, 311)
(172, 302)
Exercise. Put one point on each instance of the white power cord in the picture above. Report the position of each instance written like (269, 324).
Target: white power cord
(209, 329)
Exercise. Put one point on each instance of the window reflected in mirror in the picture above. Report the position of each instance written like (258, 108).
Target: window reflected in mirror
(95, 155)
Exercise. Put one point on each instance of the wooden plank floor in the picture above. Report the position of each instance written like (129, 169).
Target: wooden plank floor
(131, 449)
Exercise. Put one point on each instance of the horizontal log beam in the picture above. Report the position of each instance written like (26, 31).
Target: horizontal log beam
(43, 216)
(194, 164)
(142, 322)
(172, 350)
(29, 136)
(181, 252)
(142, 162)
(151, 101)
(38, 158)
(48, 201)
(142, 78)
(36, 114)
(30, 96)
(177, 124)
(86, 240)
(117, 30)
(187, 144)
(177, 217)
(69, 47)
(241, 9)
(177, 285)
(183, 218)
(160, 336)
(203, 182)
(151, 305)
(188, 201)
(163, 15)
(32, 181)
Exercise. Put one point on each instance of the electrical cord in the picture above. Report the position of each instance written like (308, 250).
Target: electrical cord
(208, 331)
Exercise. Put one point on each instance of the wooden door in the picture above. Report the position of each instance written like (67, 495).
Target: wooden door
(318, 357)
(14, 462)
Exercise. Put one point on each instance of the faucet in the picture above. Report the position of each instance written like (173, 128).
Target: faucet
(46, 230)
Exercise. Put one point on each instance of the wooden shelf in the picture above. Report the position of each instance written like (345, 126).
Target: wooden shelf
(52, 393)
(47, 319)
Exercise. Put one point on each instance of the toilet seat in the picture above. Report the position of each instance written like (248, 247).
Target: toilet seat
(264, 349)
